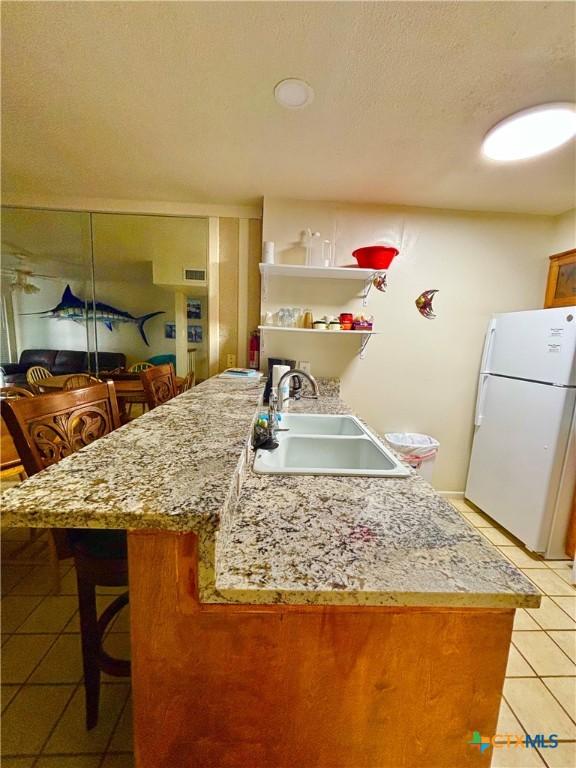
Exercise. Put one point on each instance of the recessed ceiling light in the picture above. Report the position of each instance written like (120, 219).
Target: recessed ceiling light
(531, 132)
(293, 93)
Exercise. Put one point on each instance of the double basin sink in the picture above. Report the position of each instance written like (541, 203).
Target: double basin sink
(317, 444)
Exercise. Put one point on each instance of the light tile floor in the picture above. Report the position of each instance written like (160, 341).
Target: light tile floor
(540, 689)
(42, 691)
(42, 694)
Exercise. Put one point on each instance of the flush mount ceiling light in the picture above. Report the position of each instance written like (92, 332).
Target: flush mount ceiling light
(531, 132)
(293, 93)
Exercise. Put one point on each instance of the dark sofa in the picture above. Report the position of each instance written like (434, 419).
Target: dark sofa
(60, 361)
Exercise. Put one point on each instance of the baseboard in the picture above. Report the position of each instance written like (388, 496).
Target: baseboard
(452, 494)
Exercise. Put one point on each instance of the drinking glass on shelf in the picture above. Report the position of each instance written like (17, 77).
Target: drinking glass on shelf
(296, 316)
(283, 317)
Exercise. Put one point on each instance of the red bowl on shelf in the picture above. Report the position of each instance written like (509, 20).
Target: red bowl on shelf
(375, 256)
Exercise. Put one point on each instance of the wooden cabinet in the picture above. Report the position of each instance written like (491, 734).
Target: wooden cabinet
(280, 686)
(561, 285)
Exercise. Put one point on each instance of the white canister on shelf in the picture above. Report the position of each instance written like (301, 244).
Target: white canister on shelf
(268, 252)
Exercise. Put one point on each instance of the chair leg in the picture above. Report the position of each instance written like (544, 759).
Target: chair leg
(90, 649)
(54, 563)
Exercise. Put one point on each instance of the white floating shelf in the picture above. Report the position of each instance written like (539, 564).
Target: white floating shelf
(338, 273)
(363, 336)
(314, 330)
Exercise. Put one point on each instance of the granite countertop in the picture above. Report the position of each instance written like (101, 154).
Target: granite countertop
(172, 468)
(358, 541)
(268, 538)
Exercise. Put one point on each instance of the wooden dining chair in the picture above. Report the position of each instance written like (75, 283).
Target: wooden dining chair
(159, 384)
(15, 392)
(79, 380)
(34, 375)
(49, 428)
(11, 467)
(141, 366)
(10, 462)
(188, 382)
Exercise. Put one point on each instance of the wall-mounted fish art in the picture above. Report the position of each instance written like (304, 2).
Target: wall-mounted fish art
(379, 281)
(424, 304)
(73, 308)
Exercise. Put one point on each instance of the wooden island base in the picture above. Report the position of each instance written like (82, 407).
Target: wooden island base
(224, 686)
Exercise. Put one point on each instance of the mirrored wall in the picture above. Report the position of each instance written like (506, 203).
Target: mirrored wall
(119, 288)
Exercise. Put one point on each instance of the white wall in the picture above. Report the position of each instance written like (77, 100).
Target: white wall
(419, 375)
(564, 232)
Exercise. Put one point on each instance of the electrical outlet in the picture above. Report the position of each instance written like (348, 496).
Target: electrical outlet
(230, 361)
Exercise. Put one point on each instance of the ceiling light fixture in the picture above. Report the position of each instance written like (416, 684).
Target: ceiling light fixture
(293, 93)
(531, 132)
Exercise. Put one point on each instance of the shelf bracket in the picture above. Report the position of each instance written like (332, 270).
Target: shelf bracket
(366, 291)
(370, 282)
(264, 288)
(365, 339)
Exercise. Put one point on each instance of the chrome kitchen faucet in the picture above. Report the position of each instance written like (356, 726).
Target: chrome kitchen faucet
(276, 404)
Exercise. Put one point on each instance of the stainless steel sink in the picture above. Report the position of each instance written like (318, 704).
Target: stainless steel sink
(327, 445)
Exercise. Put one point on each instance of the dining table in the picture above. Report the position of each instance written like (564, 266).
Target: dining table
(128, 387)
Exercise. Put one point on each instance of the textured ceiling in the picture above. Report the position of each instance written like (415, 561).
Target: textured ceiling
(172, 101)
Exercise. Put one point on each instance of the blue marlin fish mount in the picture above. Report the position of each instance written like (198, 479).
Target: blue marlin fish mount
(73, 308)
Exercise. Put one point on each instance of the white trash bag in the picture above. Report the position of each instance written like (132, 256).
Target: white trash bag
(417, 450)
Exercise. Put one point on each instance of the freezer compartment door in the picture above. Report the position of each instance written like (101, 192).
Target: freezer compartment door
(538, 345)
(518, 453)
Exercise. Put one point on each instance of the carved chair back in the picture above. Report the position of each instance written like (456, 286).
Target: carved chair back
(34, 375)
(78, 380)
(159, 384)
(49, 428)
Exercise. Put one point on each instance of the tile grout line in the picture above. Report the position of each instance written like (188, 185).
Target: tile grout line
(113, 731)
(547, 631)
(519, 652)
(558, 604)
(551, 692)
(23, 576)
(52, 644)
(55, 725)
(29, 614)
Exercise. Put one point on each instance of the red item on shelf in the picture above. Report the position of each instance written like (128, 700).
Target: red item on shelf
(346, 320)
(375, 256)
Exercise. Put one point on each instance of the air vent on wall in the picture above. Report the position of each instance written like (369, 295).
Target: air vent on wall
(195, 274)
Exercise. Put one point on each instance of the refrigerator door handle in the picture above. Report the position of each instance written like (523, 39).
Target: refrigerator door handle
(482, 387)
(488, 344)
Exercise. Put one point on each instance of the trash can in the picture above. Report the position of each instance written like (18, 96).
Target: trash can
(417, 450)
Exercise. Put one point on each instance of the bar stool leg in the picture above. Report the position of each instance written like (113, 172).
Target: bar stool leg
(54, 563)
(90, 649)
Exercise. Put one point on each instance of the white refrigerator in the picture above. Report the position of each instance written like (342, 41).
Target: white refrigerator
(523, 465)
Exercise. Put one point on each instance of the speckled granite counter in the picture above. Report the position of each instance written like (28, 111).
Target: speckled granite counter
(298, 540)
(173, 468)
(359, 541)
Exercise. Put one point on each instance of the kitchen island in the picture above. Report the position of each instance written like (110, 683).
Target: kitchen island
(326, 622)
